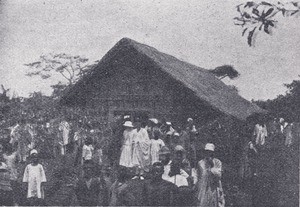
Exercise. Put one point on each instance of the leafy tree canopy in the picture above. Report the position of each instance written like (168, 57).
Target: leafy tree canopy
(254, 17)
(286, 106)
(71, 68)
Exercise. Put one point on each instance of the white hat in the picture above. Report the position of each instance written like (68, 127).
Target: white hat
(179, 148)
(34, 151)
(155, 121)
(210, 147)
(189, 119)
(3, 166)
(176, 134)
(168, 123)
(128, 124)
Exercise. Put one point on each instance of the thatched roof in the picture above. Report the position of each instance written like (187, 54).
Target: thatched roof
(201, 82)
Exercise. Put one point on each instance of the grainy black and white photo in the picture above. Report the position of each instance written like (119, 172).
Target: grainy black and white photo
(149, 103)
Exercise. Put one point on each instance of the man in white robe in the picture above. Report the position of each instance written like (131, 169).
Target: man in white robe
(141, 150)
(64, 128)
(209, 188)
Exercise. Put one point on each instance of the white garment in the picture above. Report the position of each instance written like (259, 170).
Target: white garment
(34, 175)
(65, 128)
(14, 135)
(126, 153)
(178, 180)
(167, 169)
(87, 152)
(141, 150)
(156, 145)
(282, 126)
(171, 131)
(260, 133)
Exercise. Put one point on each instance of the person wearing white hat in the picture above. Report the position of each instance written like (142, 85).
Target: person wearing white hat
(34, 176)
(127, 147)
(209, 187)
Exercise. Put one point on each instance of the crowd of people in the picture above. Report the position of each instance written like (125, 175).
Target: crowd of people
(156, 165)
(148, 162)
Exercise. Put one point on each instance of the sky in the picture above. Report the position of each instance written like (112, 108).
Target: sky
(198, 32)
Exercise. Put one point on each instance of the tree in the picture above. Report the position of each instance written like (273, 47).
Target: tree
(225, 71)
(286, 106)
(254, 17)
(71, 68)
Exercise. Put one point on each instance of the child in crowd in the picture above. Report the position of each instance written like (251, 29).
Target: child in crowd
(156, 145)
(34, 176)
(87, 150)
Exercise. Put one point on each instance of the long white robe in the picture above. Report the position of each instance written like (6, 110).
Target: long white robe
(126, 153)
(209, 187)
(141, 150)
(156, 145)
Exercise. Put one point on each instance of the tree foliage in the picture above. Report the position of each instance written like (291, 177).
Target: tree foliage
(286, 106)
(225, 71)
(254, 17)
(71, 68)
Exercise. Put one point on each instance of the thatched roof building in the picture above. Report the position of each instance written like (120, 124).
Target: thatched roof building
(164, 85)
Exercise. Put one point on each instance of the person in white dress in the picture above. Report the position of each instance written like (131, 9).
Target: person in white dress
(141, 150)
(127, 148)
(34, 176)
(156, 145)
(87, 151)
(64, 128)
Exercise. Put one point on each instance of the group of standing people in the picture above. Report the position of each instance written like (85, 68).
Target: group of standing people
(155, 153)
(154, 168)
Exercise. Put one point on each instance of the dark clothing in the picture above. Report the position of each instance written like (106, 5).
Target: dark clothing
(133, 194)
(160, 193)
(34, 201)
(186, 196)
(6, 198)
(64, 196)
(90, 196)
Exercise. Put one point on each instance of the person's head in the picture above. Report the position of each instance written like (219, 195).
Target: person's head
(88, 141)
(174, 169)
(164, 155)
(157, 170)
(179, 153)
(156, 134)
(176, 137)
(138, 123)
(34, 156)
(209, 150)
(168, 125)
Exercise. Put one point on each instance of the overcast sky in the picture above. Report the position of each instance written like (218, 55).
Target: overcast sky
(199, 32)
